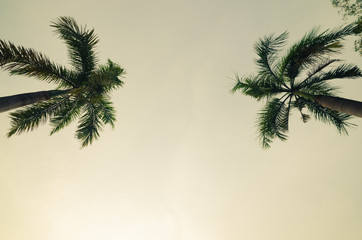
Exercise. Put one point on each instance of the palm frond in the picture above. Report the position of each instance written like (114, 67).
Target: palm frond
(273, 121)
(300, 104)
(107, 77)
(107, 111)
(65, 115)
(89, 125)
(31, 117)
(266, 49)
(320, 88)
(257, 87)
(314, 46)
(342, 71)
(26, 61)
(338, 119)
(81, 43)
(318, 69)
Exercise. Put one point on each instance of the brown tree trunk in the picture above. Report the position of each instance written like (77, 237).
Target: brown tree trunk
(20, 100)
(340, 104)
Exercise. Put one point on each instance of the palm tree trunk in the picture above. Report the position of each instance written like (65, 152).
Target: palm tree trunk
(340, 104)
(20, 100)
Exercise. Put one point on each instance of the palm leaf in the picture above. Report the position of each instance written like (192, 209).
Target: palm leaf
(107, 77)
(257, 87)
(314, 46)
(81, 43)
(342, 71)
(31, 117)
(273, 121)
(89, 125)
(25, 61)
(338, 119)
(266, 49)
(65, 115)
(107, 111)
(299, 104)
(318, 69)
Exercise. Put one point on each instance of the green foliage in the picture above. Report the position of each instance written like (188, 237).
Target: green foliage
(352, 9)
(107, 112)
(81, 43)
(273, 121)
(266, 49)
(257, 87)
(338, 119)
(26, 61)
(65, 115)
(88, 85)
(348, 7)
(313, 48)
(89, 125)
(31, 117)
(284, 83)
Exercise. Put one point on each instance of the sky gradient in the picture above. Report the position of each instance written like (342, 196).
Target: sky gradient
(183, 161)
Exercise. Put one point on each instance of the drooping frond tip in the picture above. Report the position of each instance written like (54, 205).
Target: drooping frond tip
(238, 85)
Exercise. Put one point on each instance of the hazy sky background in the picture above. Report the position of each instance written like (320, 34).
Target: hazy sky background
(183, 161)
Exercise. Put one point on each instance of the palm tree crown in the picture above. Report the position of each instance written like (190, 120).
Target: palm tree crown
(82, 92)
(297, 80)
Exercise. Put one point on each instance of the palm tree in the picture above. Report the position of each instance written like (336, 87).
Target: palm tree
(299, 80)
(82, 92)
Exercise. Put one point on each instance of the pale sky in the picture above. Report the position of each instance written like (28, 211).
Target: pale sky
(183, 162)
